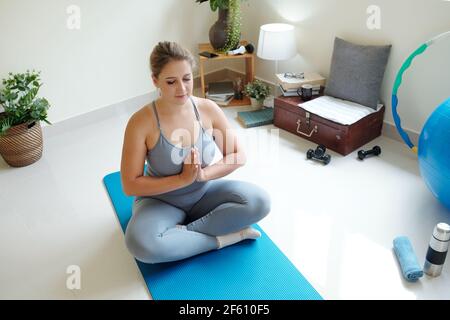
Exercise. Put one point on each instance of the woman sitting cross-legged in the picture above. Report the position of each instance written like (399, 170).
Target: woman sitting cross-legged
(182, 208)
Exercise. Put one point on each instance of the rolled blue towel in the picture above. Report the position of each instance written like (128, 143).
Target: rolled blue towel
(407, 258)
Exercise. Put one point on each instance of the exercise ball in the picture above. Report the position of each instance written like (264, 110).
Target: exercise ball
(434, 153)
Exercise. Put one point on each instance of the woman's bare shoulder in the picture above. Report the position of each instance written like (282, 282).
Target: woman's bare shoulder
(144, 122)
(204, 104)
(143, 118)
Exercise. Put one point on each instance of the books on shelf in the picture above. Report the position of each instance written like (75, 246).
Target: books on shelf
(223, 97)
(221, 92)
(221, 100)
(224, 103)
(294, 83)
(220, 88)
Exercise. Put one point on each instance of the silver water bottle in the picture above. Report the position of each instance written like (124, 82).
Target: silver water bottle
(437, 250)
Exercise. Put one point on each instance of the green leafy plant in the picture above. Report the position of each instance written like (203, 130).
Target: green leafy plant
(234, 21)
(257, 89)
(19, 99)
(234, 26)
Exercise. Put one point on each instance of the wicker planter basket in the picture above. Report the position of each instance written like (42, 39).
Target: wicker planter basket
(22, 144)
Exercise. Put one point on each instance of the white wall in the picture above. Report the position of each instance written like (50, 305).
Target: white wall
(405, 24)
(104, 62)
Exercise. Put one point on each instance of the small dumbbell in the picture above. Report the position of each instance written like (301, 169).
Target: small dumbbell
(363, 154)
(320, 151)
(319, 154)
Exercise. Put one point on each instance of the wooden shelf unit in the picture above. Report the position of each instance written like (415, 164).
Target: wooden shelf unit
(249, 69)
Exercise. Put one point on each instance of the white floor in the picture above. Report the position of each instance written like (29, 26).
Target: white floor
(336, 223)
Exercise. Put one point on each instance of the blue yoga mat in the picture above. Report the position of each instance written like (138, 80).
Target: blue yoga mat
(249, 270)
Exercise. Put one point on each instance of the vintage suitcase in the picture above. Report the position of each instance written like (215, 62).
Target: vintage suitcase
(343, 139)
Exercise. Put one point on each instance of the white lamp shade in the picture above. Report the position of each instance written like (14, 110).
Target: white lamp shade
(277, 42)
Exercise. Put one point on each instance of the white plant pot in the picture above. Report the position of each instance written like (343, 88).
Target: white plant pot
(256, 103)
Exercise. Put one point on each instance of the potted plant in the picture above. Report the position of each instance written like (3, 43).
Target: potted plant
(257, 91)
(225, 34)
(20, 129)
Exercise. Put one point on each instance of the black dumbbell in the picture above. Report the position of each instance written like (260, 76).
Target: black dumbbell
(319, 154)
(363, 154)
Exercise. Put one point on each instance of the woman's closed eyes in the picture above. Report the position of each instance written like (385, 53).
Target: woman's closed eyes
(173, 82)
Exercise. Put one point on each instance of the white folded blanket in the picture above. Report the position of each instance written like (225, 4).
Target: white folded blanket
(338, 110)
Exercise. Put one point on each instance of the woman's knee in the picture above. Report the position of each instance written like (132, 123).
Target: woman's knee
(145, 248)
(259, 202)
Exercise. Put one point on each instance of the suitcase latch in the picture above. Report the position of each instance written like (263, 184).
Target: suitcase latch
(307, 118)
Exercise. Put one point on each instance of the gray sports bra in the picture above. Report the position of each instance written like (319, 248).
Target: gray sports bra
(166, 159)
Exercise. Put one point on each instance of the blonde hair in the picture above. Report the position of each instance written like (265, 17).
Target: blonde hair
(167, 51)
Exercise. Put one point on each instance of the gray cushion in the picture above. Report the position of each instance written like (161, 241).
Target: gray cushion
(357, 72)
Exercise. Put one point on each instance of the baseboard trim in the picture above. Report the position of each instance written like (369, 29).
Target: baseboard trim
(390, 131)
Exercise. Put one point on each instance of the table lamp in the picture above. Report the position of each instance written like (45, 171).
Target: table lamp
(276, 42)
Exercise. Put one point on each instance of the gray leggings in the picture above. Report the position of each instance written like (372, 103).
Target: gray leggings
(227, 206)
